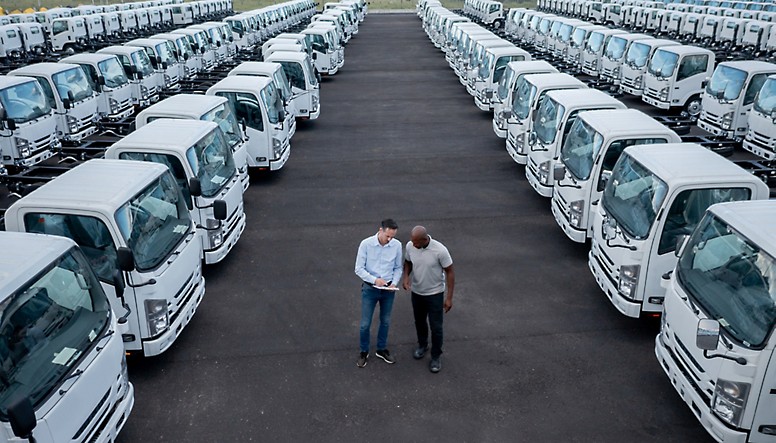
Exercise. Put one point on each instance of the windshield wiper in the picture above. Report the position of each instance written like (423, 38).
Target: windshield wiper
(75, 374)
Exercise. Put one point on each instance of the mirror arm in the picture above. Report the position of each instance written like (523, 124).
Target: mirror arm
(740, 360)
(146, 283)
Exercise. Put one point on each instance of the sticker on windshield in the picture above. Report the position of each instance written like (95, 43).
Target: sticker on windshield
(92, 335)
(180, 229)
(64, 356)
(217, 179)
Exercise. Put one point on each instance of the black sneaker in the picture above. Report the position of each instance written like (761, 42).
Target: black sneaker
(362, 359)
(435, 365)
(385, 355)
(419, 352)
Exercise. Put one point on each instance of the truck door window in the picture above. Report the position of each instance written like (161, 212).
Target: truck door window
(126, 64)
(692, 65)
(754, 87)
(172, 163)
(246, 108)
(58, 27)
(47, 91)
(615, 149)
(90, 233)
(687, 210)
(295, 74)
(91, 75)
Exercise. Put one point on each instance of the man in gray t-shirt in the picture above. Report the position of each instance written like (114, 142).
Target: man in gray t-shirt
(428, 270)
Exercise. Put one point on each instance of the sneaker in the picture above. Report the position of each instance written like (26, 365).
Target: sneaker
(362, 359)
(420, 352)
(435, 365)
(385, 355)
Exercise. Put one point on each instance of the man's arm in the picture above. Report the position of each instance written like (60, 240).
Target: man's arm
(397, 268)
(361, 271)
(450, 281)
(406, 275)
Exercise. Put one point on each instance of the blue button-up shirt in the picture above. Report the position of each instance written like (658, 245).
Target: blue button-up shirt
(377, 261)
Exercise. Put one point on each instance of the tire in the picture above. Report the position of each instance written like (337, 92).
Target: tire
(498, 24)
(693, 107)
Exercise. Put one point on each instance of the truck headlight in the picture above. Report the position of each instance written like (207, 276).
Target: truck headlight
(167, 80)
(143, 92)
(23, 145)
(72, 123)
(638, 81)
(727, 120)
(519, 144)
(277, 147)
(616, 72)
(629, 278)
(664, 94)
(215, 236)
(544, 172)
(506, 114)
(114, 105)
(156, 316)
(729, 400)
(123, 381)
(576, 210)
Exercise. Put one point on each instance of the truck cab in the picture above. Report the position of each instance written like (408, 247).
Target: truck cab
(594, 50)
(200, 44)
(730, 95)
(69, 94)
(477, 58)
(634, 64)
(161, 54)
(552, 125)
(138, 69)
(129, 25)
(182, 14)
(614, 55)
(245, 37)
(761, 136)
(11, 44)
(33, 38)
(107, 77)
(68, 34)
(213, 36)
(276, 73)
(258, 105)
(112, 25)
(675, 76)
(529, 92)
(131, 220)
(57, 320)
(578, 42)
(195, 150)
(491, 70)
(201, 107)
(716, 339)
(656, 195)
(188, 62)
(305, 89)
(587, 157)
(325, 48)
(504, 95)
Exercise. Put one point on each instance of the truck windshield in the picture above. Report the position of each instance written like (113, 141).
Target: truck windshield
(731, 279)
(273, 104)
(165, 53)
(580, 149)
(282, 84)
(524, 95)
(485, 66)
(200, 39)
(154, 222)
(310, 71)
(595, 42)
(547, 120)
(616, 48)
(223, 116)
(143, 63)
(47, 326)
(72, 80)
(565, 32)
(633, 196)
(24, 102)
(726, 83)
(663, 63)
(504, 82)
(578, 37)
(637, 55)
(766, 98)
(113, 72)
(183, 46)
(212, 162)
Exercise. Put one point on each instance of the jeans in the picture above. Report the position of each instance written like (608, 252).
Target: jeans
(429, 307)
(370, 297)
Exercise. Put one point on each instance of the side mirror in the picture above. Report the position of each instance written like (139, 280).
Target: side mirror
(101, 80)
(315, 56)
(604, 179)
(680, 241)
(195, 187)
(164, 65)
(133, 69)
(558, 172)
(70, 96)
(186, 56)
(532, 138)
(218, 44)
(219, 210)
(67, 103)
(158, 59)
(118, 284)
(139, 75)
(318, 76)
(125, 259)
(22, 417)
(231, 39)
(704, 83)
(707, 334)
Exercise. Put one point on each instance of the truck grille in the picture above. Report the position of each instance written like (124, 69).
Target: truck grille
(41, 144)
(710, 118)
(688, 374)
(606, 263)
(183, 296)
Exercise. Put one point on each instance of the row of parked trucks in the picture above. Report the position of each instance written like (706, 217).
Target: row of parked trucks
(129, 166)
(674, 228)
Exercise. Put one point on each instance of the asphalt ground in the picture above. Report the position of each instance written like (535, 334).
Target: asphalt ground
(534, 351)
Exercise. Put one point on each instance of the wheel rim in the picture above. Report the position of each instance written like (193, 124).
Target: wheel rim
(694, 107)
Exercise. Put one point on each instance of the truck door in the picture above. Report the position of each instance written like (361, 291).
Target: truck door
(764, 423)
(300, 97)
(741, 113)
(248, 112)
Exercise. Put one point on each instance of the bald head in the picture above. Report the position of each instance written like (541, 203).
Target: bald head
(419, 237)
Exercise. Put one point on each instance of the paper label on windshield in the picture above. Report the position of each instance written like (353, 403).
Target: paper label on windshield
(217, 179)
(92, 335)
(64, 356)
(179, 229)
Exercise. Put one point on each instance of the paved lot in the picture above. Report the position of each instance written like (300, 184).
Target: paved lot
(534, 352)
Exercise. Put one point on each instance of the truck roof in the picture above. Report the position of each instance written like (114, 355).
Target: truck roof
(631, 36)
(123, 50)
(626, 122)
(100, 184)
(686, 163)
(529, 65)
(145, 41)
(86, 57)
(686, 49)
(508, 50)
(45, 68)
(751, 66)
(24, 255)
(554, 80)
(8, 81)
(241, 83)
(261, 68)
(653, 42)
(191, 105)
(287, 56)
(753, 219)
(574, 98)
(165, 134)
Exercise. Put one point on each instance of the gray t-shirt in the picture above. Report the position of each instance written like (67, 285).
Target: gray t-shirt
(428, 275)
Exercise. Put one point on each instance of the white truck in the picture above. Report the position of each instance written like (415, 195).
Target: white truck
(27, 124)
(634, 64)
(491, 70)
(189, 63)
(200, 159)
(258, 106)
(529, 92)
(200, 44)
(594, 50)
(107, 78)
(68, 34)
(131, 219)
(675, 76)
(137, 67)
(614, 55)
(730, 95)
(761, 136)
(553, 123)
(504, 96)
(329, 54)
(716, 342)
(57, 321)
(572, 54)
(275, 72)
(655, 195)
(201, 107)
(304, 81)
(161, 54)
(69, 94)
(586, 160)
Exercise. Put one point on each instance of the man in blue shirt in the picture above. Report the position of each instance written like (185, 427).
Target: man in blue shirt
(379, 265)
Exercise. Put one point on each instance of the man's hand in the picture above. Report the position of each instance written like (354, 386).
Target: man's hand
(380, 282)
(448, 305)
(406, 284)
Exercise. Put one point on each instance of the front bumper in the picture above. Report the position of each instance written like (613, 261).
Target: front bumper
(655, 102)
(561, 218)
(234, 232)
(625, 307)
(184, 315)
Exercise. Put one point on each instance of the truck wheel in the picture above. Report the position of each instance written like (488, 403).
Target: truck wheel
(498, 24)
(693, 106)
(69, 49)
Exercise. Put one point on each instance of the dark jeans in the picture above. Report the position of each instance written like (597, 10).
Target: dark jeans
(370, 297)
(429, 307)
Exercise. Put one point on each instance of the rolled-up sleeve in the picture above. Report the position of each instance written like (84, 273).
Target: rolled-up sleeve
(361, 271)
